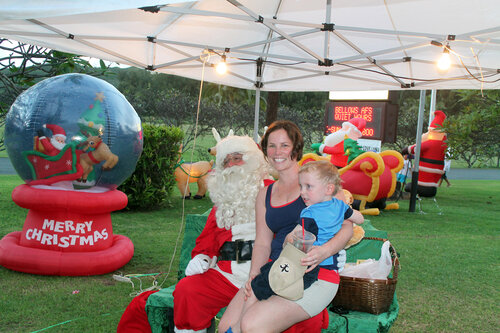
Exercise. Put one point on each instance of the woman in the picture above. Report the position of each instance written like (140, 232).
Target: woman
(278, 207)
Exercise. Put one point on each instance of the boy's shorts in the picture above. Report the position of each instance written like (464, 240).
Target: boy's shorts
(401, 178)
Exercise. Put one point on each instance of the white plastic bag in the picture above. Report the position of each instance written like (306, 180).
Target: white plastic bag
(371, 269)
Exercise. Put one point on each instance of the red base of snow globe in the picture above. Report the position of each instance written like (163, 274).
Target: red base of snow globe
(66, 233)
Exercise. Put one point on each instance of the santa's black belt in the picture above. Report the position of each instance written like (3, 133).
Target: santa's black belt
(239, 250)
(430, 160)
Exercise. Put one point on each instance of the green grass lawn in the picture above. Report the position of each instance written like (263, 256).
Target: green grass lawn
(448, 280)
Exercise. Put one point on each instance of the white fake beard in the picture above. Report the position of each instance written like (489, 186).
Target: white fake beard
(233, 191)
(58, 145)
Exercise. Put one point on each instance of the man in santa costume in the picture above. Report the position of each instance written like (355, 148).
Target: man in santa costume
(432, 151)
(222, 255)
(334, 142)
(57, 141)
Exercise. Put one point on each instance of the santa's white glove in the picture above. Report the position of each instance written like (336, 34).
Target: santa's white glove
(200, 264)
(341, 259)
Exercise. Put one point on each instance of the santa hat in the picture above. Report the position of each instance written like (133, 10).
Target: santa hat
(437, 122)
(234, 144)
(357, 124)
(56, 130)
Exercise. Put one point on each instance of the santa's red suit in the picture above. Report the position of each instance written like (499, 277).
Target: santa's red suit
(431, 165)
(198, 298)
(337, 156)
(432, 151)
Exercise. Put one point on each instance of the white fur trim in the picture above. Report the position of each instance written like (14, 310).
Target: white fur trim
(239, 273)
(176, 330)
(428, 184)
(234, 144)
(243, 231)
(430, 170)
(335, 138)
(352, 126)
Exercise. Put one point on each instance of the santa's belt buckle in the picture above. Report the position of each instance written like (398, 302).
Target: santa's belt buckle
(239, 244)
(243, 250)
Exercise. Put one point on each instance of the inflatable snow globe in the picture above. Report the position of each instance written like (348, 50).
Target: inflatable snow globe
(73, 139)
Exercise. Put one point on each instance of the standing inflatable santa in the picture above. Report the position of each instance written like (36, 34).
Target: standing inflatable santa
(334, 142)
(432, 151)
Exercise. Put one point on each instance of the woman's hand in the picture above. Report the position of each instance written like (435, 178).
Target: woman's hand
(248, 286)
(319, 253)
(315, 256)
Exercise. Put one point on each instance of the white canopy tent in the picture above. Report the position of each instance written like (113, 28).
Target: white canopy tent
(277, 45)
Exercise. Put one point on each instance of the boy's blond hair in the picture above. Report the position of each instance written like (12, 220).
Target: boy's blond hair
(326, 171)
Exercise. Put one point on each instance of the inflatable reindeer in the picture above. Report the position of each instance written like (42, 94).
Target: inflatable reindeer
(100, 153)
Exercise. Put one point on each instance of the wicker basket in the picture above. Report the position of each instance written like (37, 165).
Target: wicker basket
(368, 295)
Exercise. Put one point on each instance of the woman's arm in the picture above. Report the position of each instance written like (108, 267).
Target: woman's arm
(333, 246)
(263, 235)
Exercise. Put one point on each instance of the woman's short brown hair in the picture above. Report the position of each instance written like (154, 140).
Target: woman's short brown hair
(293, 133)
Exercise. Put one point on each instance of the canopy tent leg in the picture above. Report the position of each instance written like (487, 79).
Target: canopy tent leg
(258, 85)
(414, 174)
(432, 107)
(256, 116)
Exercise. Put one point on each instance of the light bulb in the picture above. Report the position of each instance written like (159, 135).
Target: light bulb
(221, 67)
(444, 62)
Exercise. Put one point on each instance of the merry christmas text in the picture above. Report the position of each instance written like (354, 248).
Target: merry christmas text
(81, 233)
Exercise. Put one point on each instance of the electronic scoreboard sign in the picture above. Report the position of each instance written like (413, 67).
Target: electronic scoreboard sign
(380, 116)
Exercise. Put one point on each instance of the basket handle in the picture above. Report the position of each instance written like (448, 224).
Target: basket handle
(396, 265)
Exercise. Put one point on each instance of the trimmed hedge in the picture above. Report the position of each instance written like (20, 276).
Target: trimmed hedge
(153, 179)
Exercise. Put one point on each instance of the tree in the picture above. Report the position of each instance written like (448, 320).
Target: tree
(310, 121)
(473, 133)
(24, 65)
(408, 102)
(272, 107)
(170, 100)
(472, 123)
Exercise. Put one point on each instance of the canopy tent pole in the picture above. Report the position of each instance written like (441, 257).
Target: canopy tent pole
(256, 116)
(328, 19)
(258, 85)
(414, 174)
(432, 108)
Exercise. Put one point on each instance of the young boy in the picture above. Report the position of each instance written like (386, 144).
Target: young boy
(320, 189)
